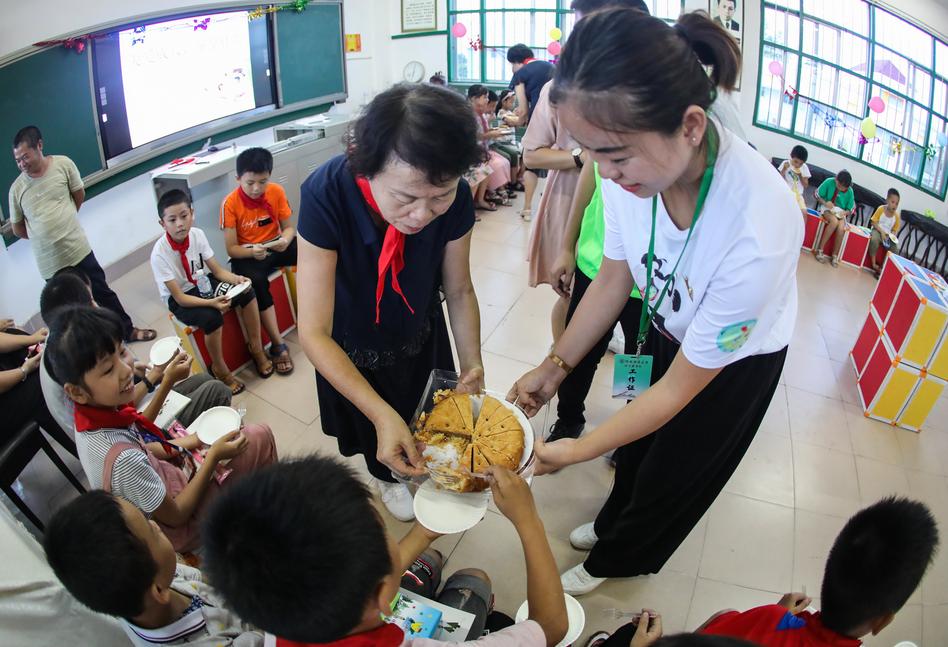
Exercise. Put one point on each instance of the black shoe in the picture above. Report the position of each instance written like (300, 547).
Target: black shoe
(562, 429)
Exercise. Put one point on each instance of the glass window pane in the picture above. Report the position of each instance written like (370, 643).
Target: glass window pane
(774, 108)
(901, 117)
(827, 125)
(821, 40)
(940, 102)
(520, 4)
(852, 14)
(667, 9)
(789, 4)
(900, 74)
(466, 5)
(851, 93)
(853, 51)
(936, 168)
(506, 28)
(941, 59)
(818, 81)
(781, 27)
(895, 155)
(903, 37)
(466, 63)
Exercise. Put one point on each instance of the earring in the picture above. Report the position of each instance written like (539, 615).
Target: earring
(693, 140)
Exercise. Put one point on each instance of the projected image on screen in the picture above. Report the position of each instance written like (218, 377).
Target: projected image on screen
(158, 79)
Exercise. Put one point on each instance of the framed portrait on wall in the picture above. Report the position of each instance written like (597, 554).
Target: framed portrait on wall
(419, 15)
(730, 15)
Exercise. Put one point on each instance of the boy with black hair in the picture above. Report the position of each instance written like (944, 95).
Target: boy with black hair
(255, 218)
(112, 559)
(796, 174)
(123, 451)
(874, 566)
(836, 201)
(198, 291)
(885, 223)
(276, 556)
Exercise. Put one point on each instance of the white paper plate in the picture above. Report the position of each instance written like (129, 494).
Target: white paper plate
(237, 289)
(163, 350)
(214, 423)
(447, 512)
(575, 613)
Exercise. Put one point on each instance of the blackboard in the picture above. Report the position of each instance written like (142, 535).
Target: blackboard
(49, 89)
(310, 53)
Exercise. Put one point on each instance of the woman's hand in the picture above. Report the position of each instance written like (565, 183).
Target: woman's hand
(471, 380)
(536, 388)
(555, 455)
(32, 363)
(562, 273)
(6, 323)
(396, 446)
(38, 337)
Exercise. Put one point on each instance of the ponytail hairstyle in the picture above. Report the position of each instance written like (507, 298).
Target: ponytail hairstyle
(634, 73)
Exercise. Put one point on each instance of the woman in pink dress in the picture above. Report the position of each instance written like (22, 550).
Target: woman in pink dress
(547, 145)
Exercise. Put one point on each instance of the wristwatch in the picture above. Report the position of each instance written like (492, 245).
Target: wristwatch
(577, 156)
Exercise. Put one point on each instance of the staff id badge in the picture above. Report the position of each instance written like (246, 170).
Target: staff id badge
(631, 376)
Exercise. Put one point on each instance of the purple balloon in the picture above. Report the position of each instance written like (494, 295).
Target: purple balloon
(458, 30)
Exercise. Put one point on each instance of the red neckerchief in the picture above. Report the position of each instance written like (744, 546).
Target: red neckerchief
(393, 252)
(182, 249)
(255, 203)
(387, 635)
(528, 60)
(94, 418)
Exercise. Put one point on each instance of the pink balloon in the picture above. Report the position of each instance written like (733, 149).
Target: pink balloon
(776, 68)
(458, 30)
(876, 104)
(554, 48)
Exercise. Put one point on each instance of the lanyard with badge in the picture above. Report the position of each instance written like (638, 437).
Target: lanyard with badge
(632, 374)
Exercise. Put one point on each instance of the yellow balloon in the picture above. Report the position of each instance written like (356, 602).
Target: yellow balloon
(556, 33)
(868, 128)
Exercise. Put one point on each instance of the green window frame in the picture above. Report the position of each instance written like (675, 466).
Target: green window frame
(836, 55)
(502, 23)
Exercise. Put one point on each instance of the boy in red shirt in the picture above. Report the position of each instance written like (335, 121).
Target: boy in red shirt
(255, 218)
(876, 562)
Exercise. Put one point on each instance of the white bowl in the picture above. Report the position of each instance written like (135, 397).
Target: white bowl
(215, 423)
(163, 350)
(575, 614)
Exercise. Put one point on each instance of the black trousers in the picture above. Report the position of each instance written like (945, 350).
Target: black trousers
(574, 389)
(259, 272)
(102, 293)
(667, 480)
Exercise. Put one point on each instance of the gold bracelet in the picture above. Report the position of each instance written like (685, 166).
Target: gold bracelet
(556, 359)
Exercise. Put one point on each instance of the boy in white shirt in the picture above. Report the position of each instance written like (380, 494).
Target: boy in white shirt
(195, 286)
(115, 561)
(796, 174)
(885, 223)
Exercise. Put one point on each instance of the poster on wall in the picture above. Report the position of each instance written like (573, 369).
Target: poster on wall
(730, 15)
(419, 15)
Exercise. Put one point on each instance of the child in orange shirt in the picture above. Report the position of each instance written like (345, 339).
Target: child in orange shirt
(255, 218)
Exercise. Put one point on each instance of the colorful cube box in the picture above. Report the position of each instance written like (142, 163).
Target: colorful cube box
(855, 246)
(886, 384)
(938, 366)
(916, 322)
(894, 272)
(866, 341)
(921, 402)
(811, 229)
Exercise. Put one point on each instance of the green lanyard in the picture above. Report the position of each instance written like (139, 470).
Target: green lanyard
(649, 312)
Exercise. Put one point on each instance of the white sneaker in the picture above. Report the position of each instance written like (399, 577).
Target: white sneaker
(584, 537)
(397, 499)
(576, 581)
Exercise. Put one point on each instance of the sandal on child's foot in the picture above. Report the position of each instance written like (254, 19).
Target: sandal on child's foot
(281, 357)
(236, 386)
(262, 363)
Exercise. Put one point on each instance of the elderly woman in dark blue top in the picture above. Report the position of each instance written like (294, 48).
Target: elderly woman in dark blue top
(384, 230)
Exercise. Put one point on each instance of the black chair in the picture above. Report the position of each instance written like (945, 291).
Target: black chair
(912, 234)
(17, 453)
(866, 204)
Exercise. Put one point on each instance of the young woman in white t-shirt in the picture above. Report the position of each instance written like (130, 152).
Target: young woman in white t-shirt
(721, 301)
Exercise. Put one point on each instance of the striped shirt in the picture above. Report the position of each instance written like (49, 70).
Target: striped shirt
(133, 477)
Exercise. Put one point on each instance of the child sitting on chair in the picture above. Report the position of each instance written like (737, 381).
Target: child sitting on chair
(837, 201)
(116, 561)
(885, 224)
(255, 218)
(796, 174)
(123, 451)
(195, 286)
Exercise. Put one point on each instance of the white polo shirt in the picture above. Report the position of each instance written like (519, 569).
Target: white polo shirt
(735, 292)
(166, 262)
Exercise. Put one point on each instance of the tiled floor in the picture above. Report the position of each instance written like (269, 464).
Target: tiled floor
(815, 461)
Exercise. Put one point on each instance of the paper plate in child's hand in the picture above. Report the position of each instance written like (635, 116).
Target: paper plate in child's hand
(447, 512)
(237, 289)
(574, 613)
(215, 423)
(163, 350)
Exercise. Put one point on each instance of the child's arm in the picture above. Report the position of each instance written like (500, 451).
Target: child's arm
(414, 544)
(287, 234)
(188, 301)
(544, 591)
(178, 510)
(178, 369)
(783, 167)
(222, 275)
(236, 250)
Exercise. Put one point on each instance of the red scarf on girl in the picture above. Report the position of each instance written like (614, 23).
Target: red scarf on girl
(387, 635)
(94, 418)
(182, 249)
(255, 203)
(393, 252)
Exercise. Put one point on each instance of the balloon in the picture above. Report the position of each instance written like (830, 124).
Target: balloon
(458, 30)
(942, 139)
(554, 48)
(556, 33)
(876, 104)
(868, 128)
(776, 68)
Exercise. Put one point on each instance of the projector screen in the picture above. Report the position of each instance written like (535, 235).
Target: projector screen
(158, 79)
